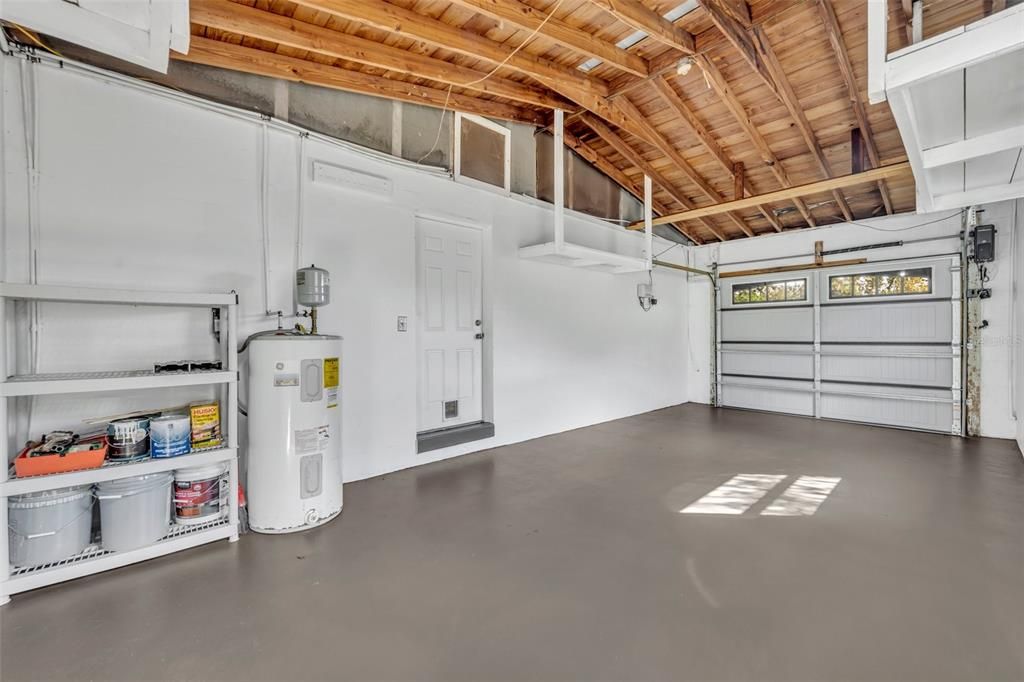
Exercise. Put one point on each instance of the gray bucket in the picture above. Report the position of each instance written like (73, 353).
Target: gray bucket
(49, 526)
(134, 512)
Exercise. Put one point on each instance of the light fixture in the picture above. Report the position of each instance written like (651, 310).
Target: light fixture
(645, 293)
(684, 66)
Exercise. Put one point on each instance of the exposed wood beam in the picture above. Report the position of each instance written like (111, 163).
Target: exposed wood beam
(590, 155)
(661, 143)
(858, 156)
(688, 118)
(587, 92)
(796, 112)
(254, 23)
(789, 193)
(400, 21)
(738, 177)
(835, 37)
(634, 13)
(792, 268)
(736, 33)
(263, 63)
(634, 157)
(529, 18)
(735, 107)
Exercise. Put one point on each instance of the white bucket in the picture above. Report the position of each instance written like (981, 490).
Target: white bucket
(49, 526)
(134, 512)
(201, 494)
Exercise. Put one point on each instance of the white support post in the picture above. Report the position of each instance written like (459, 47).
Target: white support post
(878, 48)
(917, 22)
(5, 458)
(232, 419)
(559, 160)
(648, 222)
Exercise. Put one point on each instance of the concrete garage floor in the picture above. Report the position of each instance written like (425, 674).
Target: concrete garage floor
(567, 558)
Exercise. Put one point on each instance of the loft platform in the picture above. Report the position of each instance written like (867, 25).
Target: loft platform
(584, 257)
(957, 99)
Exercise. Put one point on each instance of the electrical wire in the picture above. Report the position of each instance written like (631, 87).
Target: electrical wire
(909, 227)
(34, 39)
(487, 75)
(659, 255)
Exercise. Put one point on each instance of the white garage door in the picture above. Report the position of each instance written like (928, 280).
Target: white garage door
(876, 343)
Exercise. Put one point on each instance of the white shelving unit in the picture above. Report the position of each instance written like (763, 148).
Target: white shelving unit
(95, 559)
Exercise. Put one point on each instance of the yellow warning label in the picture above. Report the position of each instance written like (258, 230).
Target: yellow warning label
(330, 372)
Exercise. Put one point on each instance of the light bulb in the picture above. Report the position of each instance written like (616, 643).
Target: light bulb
(684, 66)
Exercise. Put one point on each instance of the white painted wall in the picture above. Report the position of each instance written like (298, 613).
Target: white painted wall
(138, 189)
(1017, 357)
(936, 234)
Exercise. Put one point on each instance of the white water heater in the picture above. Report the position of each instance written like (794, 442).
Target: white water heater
(294, 465)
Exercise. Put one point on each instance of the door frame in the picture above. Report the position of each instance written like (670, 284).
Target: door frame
(486, 346)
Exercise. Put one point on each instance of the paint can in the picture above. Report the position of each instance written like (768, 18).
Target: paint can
(128, 438)
(170, 435)
(201, 494)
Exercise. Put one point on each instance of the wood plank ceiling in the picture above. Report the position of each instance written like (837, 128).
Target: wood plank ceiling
(774, 97)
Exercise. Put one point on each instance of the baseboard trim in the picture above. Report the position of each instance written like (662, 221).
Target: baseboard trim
(455, 435)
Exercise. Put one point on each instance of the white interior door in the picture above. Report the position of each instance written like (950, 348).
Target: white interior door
(450, 333)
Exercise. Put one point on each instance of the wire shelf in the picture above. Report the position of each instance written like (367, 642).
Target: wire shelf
(119, 374)
(95, 551)
(85, 382)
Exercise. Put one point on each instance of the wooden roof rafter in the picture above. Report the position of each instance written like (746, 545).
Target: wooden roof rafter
(634, 157)
(227, 55)
(675, 102)
(619, 176)
(796, 112)
(779, 96)
(529, 18)
(263, 25)
(835, 36)
(732, 18)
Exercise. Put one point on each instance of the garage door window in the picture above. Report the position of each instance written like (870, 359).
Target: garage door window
(770, 292)
(869, 284)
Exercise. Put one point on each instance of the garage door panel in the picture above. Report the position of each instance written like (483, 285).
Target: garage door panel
(791, 397)
(921, 409)
(778, 324)
(878, 343)
(782, 360)
(917, 322)
(907, 365)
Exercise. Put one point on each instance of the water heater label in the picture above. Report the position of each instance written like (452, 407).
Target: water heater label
(331, 374)
(311, 440)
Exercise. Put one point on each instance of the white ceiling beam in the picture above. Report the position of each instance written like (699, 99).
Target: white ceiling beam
(983, 40)
(982, 195)
(974, 147)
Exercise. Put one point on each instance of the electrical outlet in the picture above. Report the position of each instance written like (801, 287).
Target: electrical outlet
(403, 323)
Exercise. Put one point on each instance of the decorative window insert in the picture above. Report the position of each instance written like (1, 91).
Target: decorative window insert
(877, 284)
(770, 292)
(483, 151)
